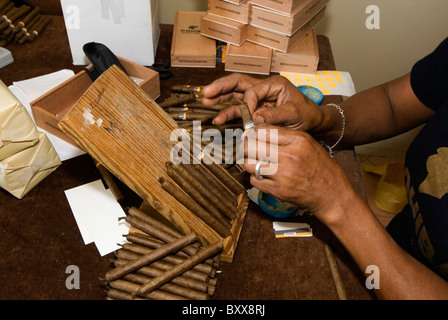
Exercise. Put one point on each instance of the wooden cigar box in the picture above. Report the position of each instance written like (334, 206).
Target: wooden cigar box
(279, 41)
(286, 23)
(49, 109)
(285, 6)
(136, 143)
(223, 29)
(189, 48)
(302, 58)
(248, 58)
(232, 11)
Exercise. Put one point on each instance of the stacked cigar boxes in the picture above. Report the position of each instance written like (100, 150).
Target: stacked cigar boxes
(266, 36)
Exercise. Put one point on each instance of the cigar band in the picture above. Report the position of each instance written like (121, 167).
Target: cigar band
(35, 33)
(248, 125)
(4, 18)
(184, 109)
(183, 116)
(197, 89)
(200, 155)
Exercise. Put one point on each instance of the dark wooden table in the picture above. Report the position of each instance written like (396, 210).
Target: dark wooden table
(40, 239)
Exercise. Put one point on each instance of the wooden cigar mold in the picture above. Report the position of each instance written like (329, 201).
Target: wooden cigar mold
(124, 129)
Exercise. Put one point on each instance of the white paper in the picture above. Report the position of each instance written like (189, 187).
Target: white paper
(129, 28)
(97, 215)
(28, 90)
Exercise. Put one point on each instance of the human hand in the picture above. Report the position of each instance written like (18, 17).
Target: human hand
(274, 101)
(297, 170)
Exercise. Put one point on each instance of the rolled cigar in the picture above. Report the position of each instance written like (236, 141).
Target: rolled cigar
(203, 175)
(187, 88)
(151, 257)
(199, 105)
(189, 116)
(3, 4)
(191, 110)
(21, 24)
(202, 267)
(39, 28)
(161, 265)
(23, 10)
(248, 122)
(183, 123)
(133, 211)
(153, 231)
(335, 273)
(130, 287)
(202, 255)
(168, 287)
(177, 99)
(186, 282)
(25, 31)
(115, 294)
(225, 179)
(188, 202)
(196, 192)
(146, 241)
(8, 17)
(205, 190)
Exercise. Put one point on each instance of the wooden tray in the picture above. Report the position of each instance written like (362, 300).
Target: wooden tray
(118, 124)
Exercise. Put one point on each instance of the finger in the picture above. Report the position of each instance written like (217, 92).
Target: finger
(256, 148)
(273, 134)
(229, 113)
(266, 170)
(224, 86)
(269, 90)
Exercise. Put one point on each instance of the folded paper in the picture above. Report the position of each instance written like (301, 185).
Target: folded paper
(22, 171)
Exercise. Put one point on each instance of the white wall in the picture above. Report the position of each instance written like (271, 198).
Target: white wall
(409, 29)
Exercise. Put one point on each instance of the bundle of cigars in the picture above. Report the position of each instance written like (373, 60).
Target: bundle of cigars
(20, 24)
(185, 106)
(160, 263)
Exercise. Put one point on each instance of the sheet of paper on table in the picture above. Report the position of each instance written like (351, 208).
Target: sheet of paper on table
(97, 215)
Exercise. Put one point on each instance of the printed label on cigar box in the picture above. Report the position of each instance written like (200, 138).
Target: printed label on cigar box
(237, 12)
(249, 57)
(302, 58)
(219, 28)
(278, 41)
(285, 6)
(283, 23)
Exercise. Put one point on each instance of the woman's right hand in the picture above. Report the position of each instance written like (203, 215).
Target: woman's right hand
(274, 100)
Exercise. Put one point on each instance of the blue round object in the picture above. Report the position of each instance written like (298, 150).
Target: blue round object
(276, 208)
(313, 93)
